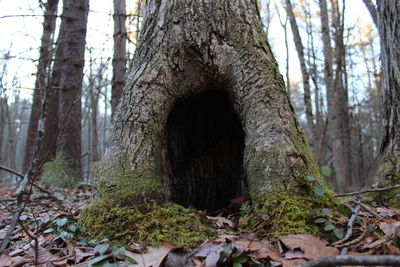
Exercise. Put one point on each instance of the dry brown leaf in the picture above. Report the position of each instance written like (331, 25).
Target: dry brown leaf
(44, 254)
(240, 200)
(312, 246)
(388, 212)
(252, 246)
(221, 221)
(389, 228)
(80, 255)
(154, 257)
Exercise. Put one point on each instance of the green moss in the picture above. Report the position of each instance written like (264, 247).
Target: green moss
(289, 212)
(159, 222)
(132, 207)
(388, 175)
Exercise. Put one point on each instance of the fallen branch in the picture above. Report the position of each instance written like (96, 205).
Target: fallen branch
(349, 226)
(368, 209)
(368, 191)
(354, 241)
(370, 260)
(4, 168)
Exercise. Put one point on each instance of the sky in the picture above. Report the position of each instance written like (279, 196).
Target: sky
(20, 35)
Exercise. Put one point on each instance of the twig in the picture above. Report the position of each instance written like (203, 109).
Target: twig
(349, 226)
(367, 208)
(368, 191)
(29, 178)
(4, 168)
(354, 241)
(369, 260)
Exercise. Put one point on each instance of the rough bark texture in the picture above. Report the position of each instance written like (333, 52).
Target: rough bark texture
(389, 31)
(45, 56)
(74, 18)
(119, 58)
(191, 48)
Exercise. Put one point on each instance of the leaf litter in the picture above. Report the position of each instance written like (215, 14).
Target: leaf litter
(53, 223)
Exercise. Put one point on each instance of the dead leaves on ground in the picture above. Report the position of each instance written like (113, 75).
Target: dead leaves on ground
(53, 223)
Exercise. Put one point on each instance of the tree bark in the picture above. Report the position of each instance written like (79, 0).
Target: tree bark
(200, 66)
(336, 96)
(119, 58)
(45, 56)
(49, 147)
(74, 18)
(389, 32)
(372, 11)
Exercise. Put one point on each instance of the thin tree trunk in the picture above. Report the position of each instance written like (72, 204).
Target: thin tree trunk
(74, 18)
(304, 72)
(45, 55)
(119, 58)
(49, 146)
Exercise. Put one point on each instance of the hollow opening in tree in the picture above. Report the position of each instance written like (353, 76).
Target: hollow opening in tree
(205, 142)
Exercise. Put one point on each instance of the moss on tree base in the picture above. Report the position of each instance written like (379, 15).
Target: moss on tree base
(123, 225)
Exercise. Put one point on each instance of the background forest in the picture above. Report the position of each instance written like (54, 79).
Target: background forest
(345, 81)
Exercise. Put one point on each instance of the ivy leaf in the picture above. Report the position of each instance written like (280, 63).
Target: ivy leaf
(319, 190)
(118, 252)
(310, 178)
(47, 231)
(101, 249)
(326, 171)
(61, 222)
(23, 217)
(72, 227)
(329, 227)
(240, 259)
(338, 233)
(320, 220)
(327, 212)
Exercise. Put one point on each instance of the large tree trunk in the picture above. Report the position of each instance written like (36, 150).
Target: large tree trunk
(74, 18)
(389, 31)
(205, 109)
(45, 56)
(119, 58)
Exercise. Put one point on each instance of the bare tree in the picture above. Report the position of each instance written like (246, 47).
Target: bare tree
(45, 56)
(73, 26)
(304, 72)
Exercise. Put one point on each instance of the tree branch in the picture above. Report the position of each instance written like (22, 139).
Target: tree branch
(22, 177)
(370, 260)
(368, 191)
(372, 11)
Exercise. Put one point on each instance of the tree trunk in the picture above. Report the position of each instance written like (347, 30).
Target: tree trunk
(48, 150)
(389, 31)
(372, 11)
(74, 18)
(205, 110)
(119, 58)
(45, 55)
(304, 72)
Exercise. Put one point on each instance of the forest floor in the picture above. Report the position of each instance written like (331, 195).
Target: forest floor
(47, 234)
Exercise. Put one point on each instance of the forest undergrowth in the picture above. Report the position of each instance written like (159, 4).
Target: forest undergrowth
(48, 234)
